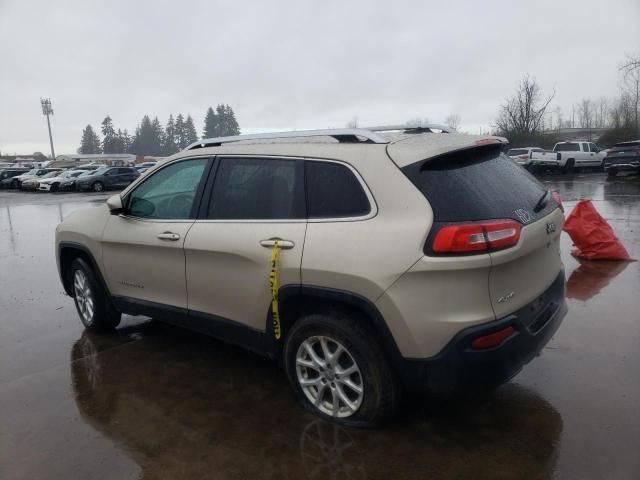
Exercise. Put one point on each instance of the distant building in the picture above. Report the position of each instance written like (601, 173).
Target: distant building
(111, 159)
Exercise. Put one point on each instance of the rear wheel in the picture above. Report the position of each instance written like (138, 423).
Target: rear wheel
(95, 310)
(98, 187)
(570, 166)
(338, 370)
(612, 172)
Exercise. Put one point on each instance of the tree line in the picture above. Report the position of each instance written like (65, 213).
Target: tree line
(151, 138)
(526, 116)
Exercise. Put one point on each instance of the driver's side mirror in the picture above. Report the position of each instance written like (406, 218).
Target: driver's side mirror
(115, 205)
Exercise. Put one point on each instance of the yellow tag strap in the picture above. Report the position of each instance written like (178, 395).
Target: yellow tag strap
(273, 281)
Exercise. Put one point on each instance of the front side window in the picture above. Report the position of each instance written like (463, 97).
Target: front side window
(257, 189)
(169, 193)
(333, 191)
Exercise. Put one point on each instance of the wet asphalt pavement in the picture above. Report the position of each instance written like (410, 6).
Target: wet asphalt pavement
(152, 401)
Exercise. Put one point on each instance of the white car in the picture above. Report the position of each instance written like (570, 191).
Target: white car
(575, 155)
(535, 159)
(52, 184)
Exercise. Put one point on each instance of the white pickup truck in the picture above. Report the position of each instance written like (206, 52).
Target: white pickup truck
(535, 159)
(575, 155)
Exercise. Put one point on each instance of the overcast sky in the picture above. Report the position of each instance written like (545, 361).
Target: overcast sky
(296, 64)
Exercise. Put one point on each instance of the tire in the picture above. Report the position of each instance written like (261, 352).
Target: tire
(14, 184)
(55, 187)
(330, 331)
(97, 187)
(612, 172)
(94, 308)
(569, 167)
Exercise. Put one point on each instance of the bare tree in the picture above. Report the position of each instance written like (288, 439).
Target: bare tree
(417, 122)
(524, 112)
(453, 121)
(353, 123)
(602, 112)
(631, 76)
(585, 113)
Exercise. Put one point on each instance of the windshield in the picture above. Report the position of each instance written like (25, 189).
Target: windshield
(32, 172)
(50, 175)
(100, 171)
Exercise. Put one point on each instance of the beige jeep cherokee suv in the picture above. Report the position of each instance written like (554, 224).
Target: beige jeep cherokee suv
(407, 259)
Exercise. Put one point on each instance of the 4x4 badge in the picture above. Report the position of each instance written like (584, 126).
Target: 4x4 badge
(551, 228)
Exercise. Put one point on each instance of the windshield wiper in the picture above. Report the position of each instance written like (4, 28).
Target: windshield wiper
(542, 202)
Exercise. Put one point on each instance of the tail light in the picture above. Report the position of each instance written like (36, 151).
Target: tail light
(556, 196)
(523, 157)
(476, 237)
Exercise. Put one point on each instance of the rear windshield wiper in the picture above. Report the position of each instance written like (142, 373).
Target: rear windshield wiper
(542, 202)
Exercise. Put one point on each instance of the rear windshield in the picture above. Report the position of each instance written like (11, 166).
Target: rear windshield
(478, 184)
(567, 147)
(516, 151)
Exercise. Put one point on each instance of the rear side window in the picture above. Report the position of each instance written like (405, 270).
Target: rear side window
(567, 147)
(333, 191)
(257, 189)
(478, 184)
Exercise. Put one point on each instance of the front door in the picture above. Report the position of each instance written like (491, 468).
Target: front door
(253, 202)
(143, 252)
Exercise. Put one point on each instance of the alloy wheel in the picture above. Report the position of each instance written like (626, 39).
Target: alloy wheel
(329, 376)
(84, 296)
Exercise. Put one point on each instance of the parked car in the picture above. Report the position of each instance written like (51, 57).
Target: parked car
(431, 260)
(7, 177)
(107, 178)
(623, 157)
(535, 159)
(577, 155)
(91, 166)
(33, 173)
(32, 183)
(52, 183)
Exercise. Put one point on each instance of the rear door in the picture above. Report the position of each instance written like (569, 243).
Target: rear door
(251, 202)
(482, 184)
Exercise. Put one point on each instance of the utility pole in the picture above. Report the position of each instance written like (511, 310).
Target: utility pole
(48, 110)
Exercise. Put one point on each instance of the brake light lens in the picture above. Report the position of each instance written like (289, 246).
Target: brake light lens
(524, 157)
(476, 237)
(492, 340)
(556, 196)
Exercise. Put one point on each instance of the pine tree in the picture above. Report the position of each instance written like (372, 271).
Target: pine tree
(190, 133)
(90, 142)
(169, 146)
(231, 123)
(210, 124)
(157, 137)
(109, 138)
(180, 132)
(125, 139)
(221, 116)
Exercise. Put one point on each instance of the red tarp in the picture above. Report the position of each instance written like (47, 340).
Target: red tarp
(591, 234)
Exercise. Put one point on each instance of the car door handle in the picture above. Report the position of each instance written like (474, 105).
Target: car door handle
(283, 244)
(169, 236)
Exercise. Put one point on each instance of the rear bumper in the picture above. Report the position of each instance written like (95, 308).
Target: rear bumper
(622, 165)
(459, 367)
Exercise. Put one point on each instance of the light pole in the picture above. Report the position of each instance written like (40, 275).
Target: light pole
(48, 110)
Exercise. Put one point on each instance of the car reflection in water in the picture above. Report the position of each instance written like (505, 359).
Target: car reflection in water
(184, 406)
(586, 281)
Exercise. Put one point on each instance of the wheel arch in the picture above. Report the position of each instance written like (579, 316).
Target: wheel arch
(67, 252)
(294, 300)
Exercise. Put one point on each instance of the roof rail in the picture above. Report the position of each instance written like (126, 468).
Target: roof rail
(343, 135)
(413, 128)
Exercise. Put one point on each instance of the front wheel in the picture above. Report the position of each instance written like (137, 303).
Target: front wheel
(14, 184)
(338, 370)
(95, 310)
